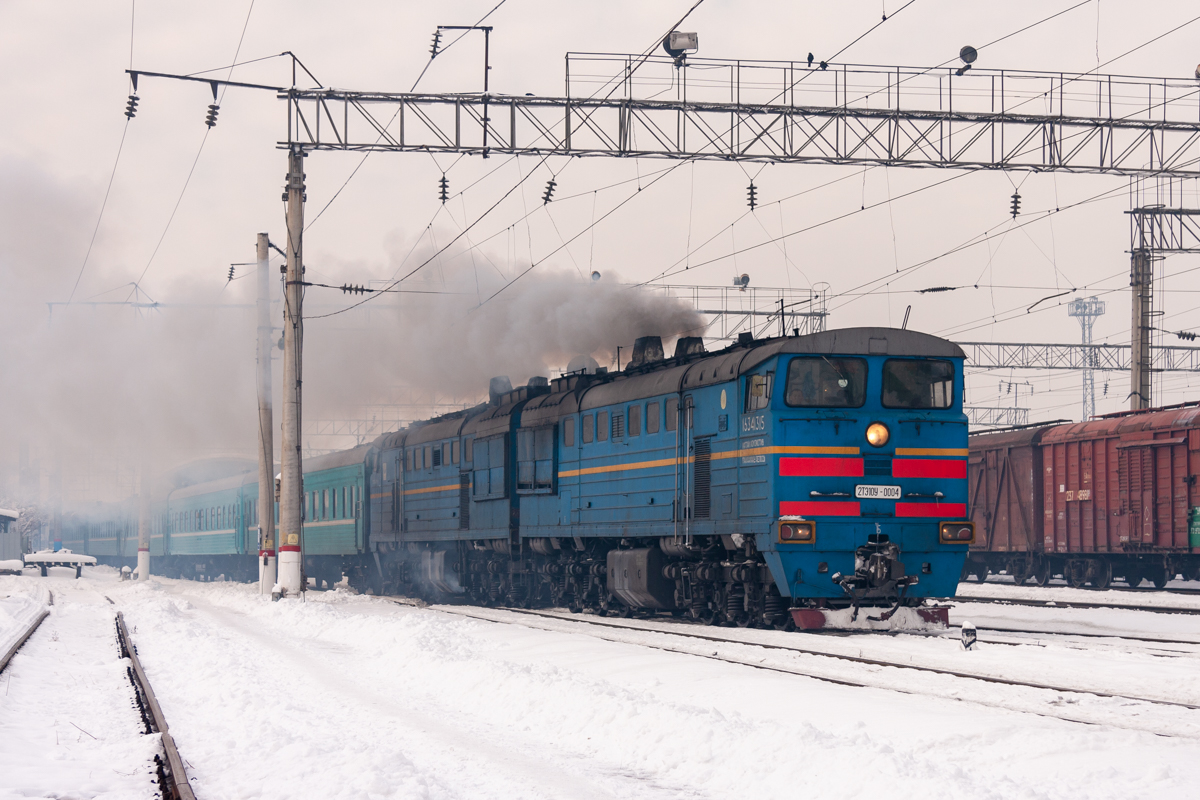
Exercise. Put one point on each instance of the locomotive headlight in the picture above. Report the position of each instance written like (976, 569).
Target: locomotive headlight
(956, 532)
(798, 532)
(878, 434)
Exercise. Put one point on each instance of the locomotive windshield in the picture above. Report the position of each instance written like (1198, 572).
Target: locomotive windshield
(918, 383)
(823, 382)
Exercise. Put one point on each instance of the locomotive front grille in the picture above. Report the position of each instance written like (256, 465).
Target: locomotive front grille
(877, 467)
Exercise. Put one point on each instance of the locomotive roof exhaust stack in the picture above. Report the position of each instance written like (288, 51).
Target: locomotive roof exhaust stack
(646, 350)
(497, 388)
(689, 346)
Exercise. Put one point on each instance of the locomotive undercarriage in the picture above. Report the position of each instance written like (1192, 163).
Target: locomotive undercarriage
(704, 581)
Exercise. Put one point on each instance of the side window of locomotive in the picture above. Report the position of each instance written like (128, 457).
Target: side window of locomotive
(428, 461)
(653, 412)
(918, 383)
(569, 432)
(468, 451)
(602, 426)
(672, 413)
(496, 464)
(585, 433)
(454, 448)
(488, 476)
(826, 382)
(535, 460)
(758, 391)
(635, 420)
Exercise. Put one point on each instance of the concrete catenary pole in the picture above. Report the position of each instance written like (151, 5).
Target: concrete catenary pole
(291, 488)
(266, 436)
(143, 558)
(1141, 281)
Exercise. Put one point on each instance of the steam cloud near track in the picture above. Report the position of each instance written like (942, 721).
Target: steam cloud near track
(177, 382)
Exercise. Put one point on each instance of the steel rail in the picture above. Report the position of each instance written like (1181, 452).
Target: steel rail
(12, 651)
(177, 786)
(1070, 604)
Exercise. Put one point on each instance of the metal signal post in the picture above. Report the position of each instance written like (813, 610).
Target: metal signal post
(291, 486)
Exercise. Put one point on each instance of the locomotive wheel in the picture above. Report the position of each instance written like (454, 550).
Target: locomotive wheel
(786, 623)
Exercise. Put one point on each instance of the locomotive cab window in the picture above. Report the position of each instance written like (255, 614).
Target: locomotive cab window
(825, 382)
(918, 383)
(758, 391)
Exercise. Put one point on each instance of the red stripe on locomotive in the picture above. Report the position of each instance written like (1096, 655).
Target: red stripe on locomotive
(928, 468)
(814, 508)
(821, 467)
(957, 510)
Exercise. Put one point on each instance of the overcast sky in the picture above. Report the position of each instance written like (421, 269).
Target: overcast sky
(65, 88)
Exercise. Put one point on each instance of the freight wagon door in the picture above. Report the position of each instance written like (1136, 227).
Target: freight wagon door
(1152, 475)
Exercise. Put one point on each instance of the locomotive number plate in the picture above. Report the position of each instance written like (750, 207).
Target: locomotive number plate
(868, 492)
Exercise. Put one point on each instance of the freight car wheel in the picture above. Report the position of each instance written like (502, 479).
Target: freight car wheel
(1103, 576)
(1161, 575)
(1041, 574)
(1133, 577)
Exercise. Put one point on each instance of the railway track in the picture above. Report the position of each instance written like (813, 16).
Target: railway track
(1069, 604)
(172, 776)
(1091, 707)
(24, 637)
(1181, 590)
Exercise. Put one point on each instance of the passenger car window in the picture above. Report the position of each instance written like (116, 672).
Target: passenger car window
(826, 382)
(918, 383)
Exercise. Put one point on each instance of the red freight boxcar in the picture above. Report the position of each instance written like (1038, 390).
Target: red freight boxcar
(1114, 497)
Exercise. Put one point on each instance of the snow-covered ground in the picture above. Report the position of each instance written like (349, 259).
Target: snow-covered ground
(358, 697)
(68, 724)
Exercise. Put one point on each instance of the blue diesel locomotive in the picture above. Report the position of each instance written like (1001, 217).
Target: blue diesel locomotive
(764, 484)
(777, 482)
